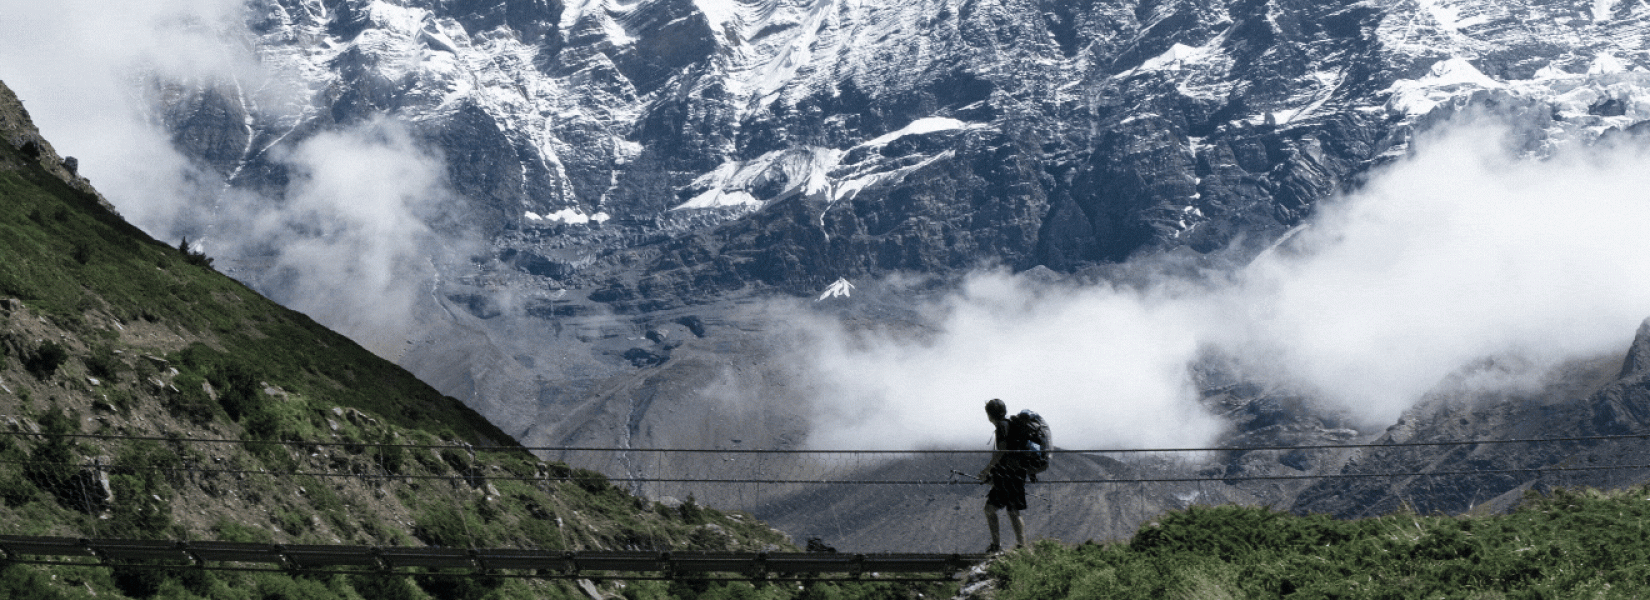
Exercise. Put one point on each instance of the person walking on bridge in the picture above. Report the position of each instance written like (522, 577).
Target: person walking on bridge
(1008, 482)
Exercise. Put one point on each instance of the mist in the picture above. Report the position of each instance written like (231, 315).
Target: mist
(82, 68)
(351, 247)
(1464, 251)
(346, 243)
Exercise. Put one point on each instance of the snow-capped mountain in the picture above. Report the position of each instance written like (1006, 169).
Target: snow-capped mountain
(661, 160)
(860, 138)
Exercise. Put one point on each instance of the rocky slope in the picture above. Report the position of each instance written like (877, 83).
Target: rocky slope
(145, 396)
(1601, 399)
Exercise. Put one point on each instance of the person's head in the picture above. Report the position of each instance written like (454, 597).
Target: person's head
(995, 409)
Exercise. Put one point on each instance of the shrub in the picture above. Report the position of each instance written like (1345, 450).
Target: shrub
(23, 581)
(237, 388)
(102, 363)
(199, 259)
(691, 512)
(591, 481)
(191, 401)
(390, 457)
(139, 581)
(381, 586)
(15, 490)
(290, 521)
(45, 359)
(230, 531)
(141, 489)
(1227, 531)
(51, 464)
(445, 525)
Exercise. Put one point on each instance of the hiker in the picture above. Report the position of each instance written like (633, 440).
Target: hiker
(1008, 482)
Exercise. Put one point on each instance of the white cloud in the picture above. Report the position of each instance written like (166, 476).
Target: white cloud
(1460, 253)
(80, 67)
(349, 238)
(348, 241)
(1106, 364)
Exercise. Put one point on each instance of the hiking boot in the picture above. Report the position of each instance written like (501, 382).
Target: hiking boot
(993, 549)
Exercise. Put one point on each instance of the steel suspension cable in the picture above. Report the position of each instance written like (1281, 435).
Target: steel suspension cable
(458, 445)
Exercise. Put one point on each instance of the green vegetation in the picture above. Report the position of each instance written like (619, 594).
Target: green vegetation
(79, 265)
(1568, 544)
(119, 354)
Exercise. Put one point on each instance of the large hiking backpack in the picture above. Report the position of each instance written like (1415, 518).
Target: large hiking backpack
(1028, 433)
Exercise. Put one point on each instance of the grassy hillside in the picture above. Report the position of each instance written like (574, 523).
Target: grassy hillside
(119, 353)
(1568, 544)
(91, 274)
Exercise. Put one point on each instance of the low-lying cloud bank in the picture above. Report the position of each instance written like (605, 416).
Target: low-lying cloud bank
(1462, 252)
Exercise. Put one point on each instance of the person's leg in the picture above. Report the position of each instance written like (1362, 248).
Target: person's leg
(1019, 527)
(991, 523)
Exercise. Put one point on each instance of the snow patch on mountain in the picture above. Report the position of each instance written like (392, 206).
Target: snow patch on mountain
(780, 174)
(1448, 79)
(570, 216)
(1175, 58)
(1603, 9)
(812, 171)
(598, 16)
(920, 127)
(773, 42)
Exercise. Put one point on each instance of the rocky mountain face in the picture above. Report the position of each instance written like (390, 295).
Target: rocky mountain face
(637, 171)
(709, 145)
(1589, 408)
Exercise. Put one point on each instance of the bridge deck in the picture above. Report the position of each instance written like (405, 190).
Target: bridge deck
(538, 563)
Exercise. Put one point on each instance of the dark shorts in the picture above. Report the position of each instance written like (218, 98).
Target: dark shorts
(1007, 491)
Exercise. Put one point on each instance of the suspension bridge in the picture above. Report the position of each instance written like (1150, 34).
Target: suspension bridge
(907, 500)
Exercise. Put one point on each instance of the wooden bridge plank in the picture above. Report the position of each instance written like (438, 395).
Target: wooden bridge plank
(239, 552)
(428, 558)
(308, 556)
(44, 546)
(619, 561)
(120, 549)
(526, 560)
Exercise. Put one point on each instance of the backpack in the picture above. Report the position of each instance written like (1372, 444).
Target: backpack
(1029, 433)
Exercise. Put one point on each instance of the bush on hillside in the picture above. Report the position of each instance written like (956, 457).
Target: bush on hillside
(102, 363)
(191, 402)
(53, 463)
(199, 259)
(45, 359)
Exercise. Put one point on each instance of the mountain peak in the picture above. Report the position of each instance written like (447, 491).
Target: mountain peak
(1638, 356)
(18, 129)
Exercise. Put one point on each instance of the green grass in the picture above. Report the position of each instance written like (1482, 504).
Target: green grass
(90, 277)
(1568, 544)
(64, 255)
